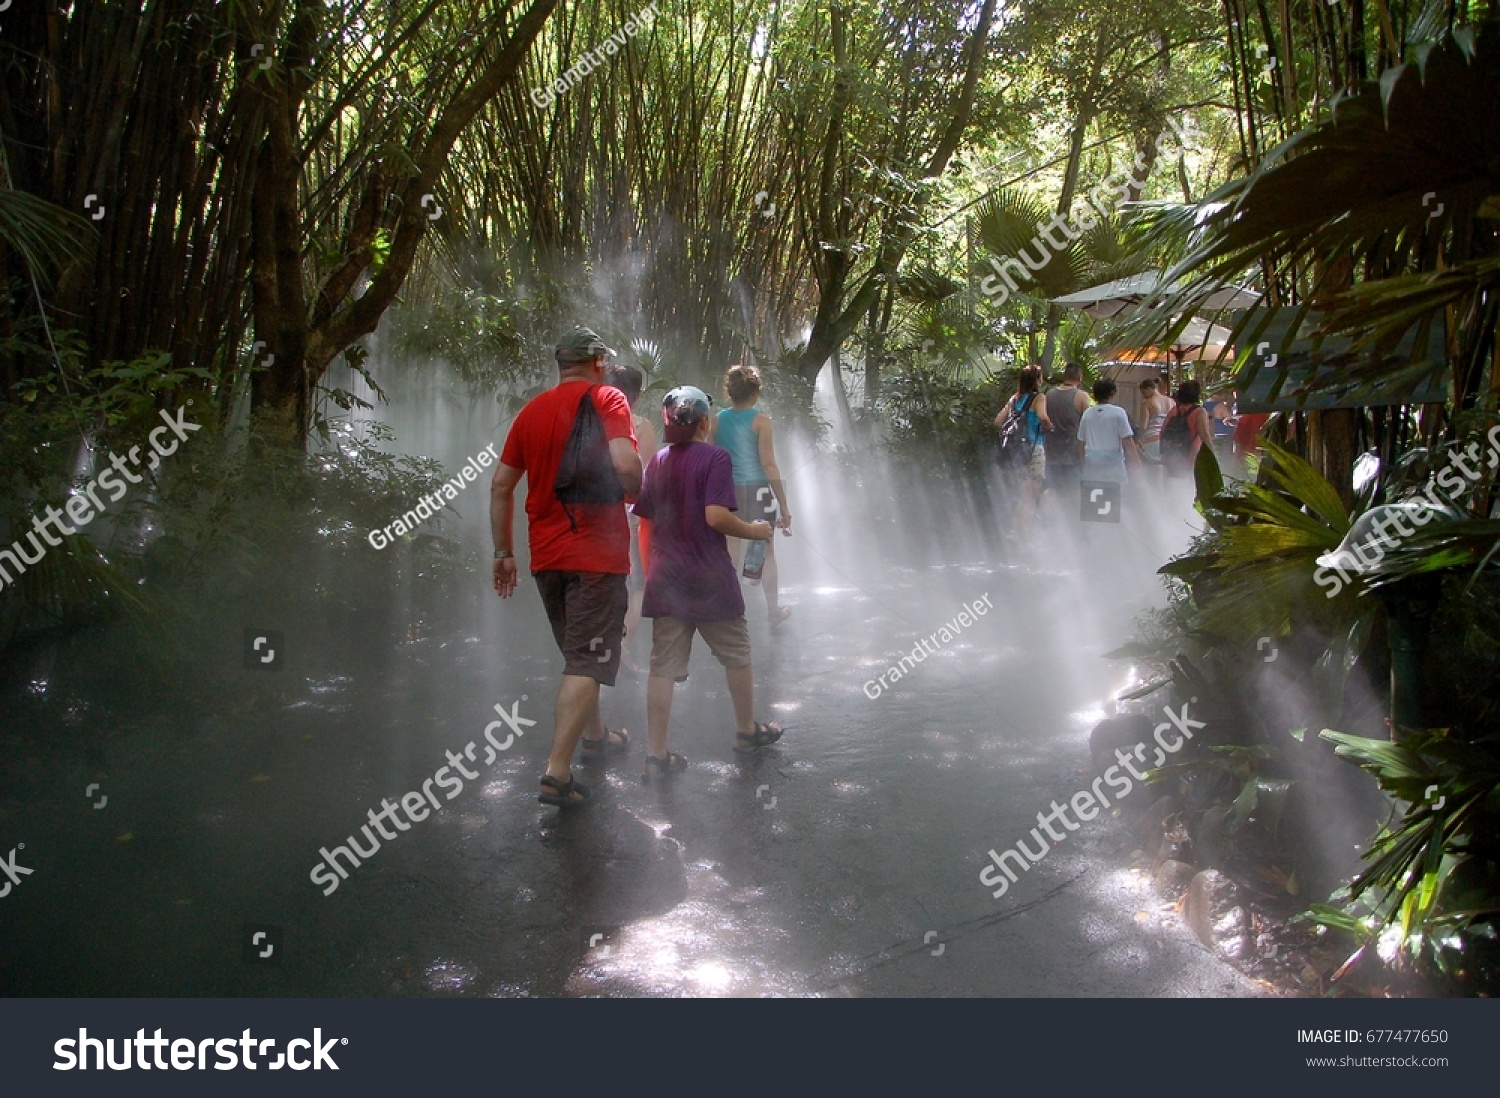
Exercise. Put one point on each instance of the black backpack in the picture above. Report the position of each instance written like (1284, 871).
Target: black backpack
(586, 474)
(1015, 447)
(1177, 438)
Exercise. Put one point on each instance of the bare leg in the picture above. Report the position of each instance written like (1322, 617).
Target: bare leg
(659, 713)
(632, 627)
(742, 692)
(768, 579)
(577, 700)
(1026, 511)
(593, 722)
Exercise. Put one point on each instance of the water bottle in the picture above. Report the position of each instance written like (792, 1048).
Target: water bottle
(755, 561)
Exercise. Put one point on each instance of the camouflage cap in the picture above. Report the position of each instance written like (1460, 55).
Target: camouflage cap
(582, 344)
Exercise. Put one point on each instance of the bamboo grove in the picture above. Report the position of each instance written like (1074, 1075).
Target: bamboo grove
(245, 189)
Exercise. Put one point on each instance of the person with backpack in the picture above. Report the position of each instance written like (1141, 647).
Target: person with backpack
(1023, 423)
(575, 445)
(691, 498)
(1184, 432)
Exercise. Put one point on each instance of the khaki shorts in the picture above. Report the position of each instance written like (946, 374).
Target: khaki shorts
(1036, 468)
(587, 612)
(672, 644)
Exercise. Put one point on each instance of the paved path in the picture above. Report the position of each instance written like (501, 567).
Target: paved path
(844, 861)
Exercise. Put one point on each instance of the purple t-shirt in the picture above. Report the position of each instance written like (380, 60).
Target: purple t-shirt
(690, 575)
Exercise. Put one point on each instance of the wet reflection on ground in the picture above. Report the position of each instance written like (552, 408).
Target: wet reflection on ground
(843, 861)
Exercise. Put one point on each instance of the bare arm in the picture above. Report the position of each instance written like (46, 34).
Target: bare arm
(645, 437)
(1039, 405)
(726, 522)
(1000, 419)
(502, 520)
(762, 428)
(627, 465)
(1201, 417)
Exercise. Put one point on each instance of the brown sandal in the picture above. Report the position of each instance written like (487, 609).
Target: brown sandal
(763, 736)
(663, 768)
(607, 745)
(565, 794)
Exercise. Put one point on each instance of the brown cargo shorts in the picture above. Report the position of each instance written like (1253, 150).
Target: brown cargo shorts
(672, 644)
(587, 612)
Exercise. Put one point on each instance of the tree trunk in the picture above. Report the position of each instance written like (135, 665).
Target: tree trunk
(304, 337)
(834, 321)
(1333, 435)
(1082, 120)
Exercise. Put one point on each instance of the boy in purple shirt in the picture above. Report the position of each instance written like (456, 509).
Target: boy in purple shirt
(688, 495)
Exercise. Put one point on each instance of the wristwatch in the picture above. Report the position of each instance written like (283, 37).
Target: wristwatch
(503, 554)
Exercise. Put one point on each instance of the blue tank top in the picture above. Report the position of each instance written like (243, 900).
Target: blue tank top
(736, 436)
(1033, 421)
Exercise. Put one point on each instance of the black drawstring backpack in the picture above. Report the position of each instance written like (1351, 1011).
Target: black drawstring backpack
(586, 474)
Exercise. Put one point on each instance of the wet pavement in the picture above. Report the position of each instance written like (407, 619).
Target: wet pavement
(844, 861)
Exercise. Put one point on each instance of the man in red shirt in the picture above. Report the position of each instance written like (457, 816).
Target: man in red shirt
(580, 552)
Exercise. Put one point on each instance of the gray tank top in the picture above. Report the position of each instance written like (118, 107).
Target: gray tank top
(1062, 440)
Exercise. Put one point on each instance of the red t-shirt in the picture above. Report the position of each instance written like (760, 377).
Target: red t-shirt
(535, 446)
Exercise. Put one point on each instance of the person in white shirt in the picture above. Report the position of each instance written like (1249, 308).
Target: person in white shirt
(1105, 436)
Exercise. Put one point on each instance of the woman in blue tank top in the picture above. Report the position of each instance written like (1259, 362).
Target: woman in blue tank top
(745, 432)
(1028, 396)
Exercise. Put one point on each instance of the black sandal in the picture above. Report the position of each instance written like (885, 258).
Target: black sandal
(763, 736)
(662, 768)
(607, 745)
(565, 794)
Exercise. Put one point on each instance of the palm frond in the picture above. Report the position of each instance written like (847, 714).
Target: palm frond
(43, 235)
